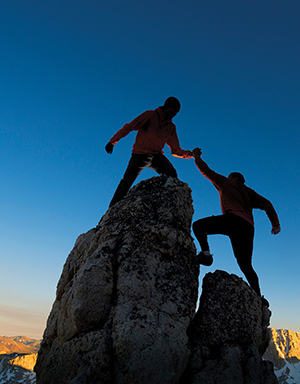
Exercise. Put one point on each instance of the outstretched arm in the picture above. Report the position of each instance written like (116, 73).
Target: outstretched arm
(176, 150)
(211, 175)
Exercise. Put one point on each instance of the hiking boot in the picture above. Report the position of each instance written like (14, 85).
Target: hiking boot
(265, 302)
(203, 259)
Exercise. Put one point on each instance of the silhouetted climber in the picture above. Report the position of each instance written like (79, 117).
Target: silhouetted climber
(155, 129)
(237, 201)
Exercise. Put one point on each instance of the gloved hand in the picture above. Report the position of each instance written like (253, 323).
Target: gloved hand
(109, 147)
(197, 152)
(276, 230)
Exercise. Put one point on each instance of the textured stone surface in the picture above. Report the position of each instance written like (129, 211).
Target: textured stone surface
(125, 306)
(229, 335)
(127, 294)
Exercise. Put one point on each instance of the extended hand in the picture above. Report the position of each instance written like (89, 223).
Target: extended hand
(197, 152)
(109, 147)
(189, 154)
(276, 230)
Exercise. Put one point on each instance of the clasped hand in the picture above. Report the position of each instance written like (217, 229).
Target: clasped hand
(197, 152)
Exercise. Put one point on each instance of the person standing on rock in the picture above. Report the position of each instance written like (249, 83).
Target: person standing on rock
(155, 129)
(237, 201)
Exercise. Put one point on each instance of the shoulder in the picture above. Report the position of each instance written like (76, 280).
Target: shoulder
(223, 181)
(234, 186)
(172, 126)
(151, 114)
(144, 116)
(254, 196)
(148, 113)
(250, 191)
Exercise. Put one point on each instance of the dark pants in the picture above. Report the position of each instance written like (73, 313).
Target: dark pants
(241, 234)
(158, 162)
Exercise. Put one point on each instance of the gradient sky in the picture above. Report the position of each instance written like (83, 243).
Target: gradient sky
(73, 72)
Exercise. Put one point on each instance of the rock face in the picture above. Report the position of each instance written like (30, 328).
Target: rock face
(284, 353)
(126, 300)
(127, 294)
(229, 335)
(25, 361)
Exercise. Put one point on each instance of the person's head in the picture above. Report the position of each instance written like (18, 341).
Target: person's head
(237, 176)
(171, 107)
(172, 102)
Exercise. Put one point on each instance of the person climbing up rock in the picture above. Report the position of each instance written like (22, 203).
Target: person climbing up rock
(237, 202)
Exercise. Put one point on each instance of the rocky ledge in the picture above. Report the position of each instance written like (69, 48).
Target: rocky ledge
(125, 308)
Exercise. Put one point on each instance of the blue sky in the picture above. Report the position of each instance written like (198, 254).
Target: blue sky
(73, 72)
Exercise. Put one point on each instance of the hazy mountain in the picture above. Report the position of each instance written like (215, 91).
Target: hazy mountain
(284, 353)
(17, 369)
(18, 344)
(18, 356)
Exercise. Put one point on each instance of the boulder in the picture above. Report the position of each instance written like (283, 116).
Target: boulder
(125, 308)
(127, 294)
(229, 335)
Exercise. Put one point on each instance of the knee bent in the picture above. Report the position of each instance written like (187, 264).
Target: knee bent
(196, 226)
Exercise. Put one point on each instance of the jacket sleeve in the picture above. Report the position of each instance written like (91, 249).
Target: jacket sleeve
(134, 125)
(211, 175)
(176, 151)
(262, 203)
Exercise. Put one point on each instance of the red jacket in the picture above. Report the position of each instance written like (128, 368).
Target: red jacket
(236, 197)
(153, 133)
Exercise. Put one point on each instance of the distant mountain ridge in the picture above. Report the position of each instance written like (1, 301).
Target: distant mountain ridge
(18, 344)
(284, 353)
